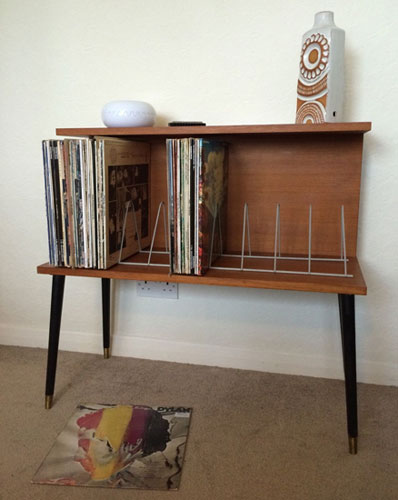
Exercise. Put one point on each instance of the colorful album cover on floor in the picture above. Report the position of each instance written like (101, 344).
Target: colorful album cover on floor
(122, 446)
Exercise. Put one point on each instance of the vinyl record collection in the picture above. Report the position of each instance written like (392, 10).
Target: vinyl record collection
(89, 186)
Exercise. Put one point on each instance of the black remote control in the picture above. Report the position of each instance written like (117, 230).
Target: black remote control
(186, 124)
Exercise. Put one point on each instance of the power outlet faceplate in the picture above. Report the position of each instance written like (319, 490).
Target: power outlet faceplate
(158, 289)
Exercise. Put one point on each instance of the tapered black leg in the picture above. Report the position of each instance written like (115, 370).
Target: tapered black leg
(57, 296)
(106, 315)
(347, 323)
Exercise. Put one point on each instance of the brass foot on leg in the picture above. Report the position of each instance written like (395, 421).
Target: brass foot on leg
(107, 352)
(48, 403)
(353, 445)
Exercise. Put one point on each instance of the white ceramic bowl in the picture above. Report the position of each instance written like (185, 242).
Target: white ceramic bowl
(128, 114)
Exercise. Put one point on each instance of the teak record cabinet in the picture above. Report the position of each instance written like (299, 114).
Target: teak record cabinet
(301, 186)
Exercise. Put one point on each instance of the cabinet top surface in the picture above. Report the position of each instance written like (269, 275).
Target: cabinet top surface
(347, 127)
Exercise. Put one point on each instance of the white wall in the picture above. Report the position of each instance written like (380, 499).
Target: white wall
(223, 62)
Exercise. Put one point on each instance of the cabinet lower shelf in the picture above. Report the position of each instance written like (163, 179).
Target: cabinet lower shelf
(307, 283)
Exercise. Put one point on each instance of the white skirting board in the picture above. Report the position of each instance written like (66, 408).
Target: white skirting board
(203, 354)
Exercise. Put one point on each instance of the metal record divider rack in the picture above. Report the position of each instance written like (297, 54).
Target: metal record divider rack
(277, 249)
(275, 257)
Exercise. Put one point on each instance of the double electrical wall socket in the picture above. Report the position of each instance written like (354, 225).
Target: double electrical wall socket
(158, 289)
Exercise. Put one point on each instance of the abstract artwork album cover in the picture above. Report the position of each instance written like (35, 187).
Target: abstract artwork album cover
(121, 446)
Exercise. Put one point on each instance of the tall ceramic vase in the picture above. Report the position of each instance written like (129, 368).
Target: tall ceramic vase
(320, 88)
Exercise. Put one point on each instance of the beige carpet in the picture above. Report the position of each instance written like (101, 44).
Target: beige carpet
(253, 435)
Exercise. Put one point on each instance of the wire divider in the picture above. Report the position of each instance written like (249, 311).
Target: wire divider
(151, 251)
(276, 256)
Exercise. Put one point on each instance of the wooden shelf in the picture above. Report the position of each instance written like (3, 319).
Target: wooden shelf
(344, 128)
(246, 279)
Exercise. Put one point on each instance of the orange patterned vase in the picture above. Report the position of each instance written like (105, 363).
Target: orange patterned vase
(320, 87)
